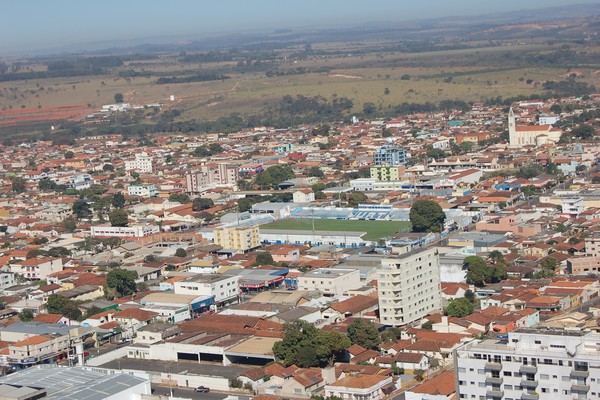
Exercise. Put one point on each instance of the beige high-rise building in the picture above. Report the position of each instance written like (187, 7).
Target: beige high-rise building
(241, 238)
(409, 287)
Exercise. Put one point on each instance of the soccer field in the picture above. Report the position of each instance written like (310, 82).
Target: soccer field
(375, 229)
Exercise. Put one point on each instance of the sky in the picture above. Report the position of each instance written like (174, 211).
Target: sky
(33, 25)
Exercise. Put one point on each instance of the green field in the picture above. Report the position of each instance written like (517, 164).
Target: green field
(375, 229)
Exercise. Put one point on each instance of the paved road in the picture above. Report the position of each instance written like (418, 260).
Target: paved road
(186, 393)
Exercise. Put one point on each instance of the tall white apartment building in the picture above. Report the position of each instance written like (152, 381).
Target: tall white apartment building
(141, 163)
(211, 175)
(409, 287)
(533, 364)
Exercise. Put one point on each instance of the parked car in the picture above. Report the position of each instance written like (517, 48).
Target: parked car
(202, 389)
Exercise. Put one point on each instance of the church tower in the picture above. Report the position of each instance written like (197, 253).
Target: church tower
(512, 129)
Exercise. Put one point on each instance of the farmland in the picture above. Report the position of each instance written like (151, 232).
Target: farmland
(378, 69)
(375, 229)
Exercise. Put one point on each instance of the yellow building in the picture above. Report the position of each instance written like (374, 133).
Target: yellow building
(387, 173)
(241, 238)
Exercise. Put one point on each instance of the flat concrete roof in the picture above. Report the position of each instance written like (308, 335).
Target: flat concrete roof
(176, 367)
(255, 346)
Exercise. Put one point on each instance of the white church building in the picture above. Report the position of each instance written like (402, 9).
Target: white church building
(530, 135)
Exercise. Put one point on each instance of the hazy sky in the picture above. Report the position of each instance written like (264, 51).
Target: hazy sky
(27, 25)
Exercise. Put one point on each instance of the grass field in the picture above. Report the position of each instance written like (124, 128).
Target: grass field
(375, 229)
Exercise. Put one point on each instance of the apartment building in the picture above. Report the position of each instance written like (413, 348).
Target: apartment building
(141, 163)
(592, 245)
(533, 364)
(390, 155)
(222, 287)
(211, 175)
(142, 190)
(242, 238)
(409, 287)
(387, 173)
(330, 281)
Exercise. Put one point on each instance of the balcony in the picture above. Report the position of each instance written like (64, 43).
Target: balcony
(580, 374)
(489, 380)
(493, 366)
(528, 369)
(529, 384)
(580, 388)
(530, 396)
(495, 393)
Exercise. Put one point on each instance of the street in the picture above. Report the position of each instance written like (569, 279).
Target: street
(186, 393)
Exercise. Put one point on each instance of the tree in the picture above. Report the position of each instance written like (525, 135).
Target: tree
(69, 154)
(364, 334)
(59, 251)
(150, 258)
(356, 198)
(206, 216)
(316, 172)
(459, 308)
(26, 315)
(180, 252)
(93, 310)
(264, 258)
(57, 304)
(118, 217)
(306, 346)
(108, 168)
(81, 209)
(46, 184)
(427, 216)
(201, 204)
(419, 374)
(470, 295)
(119, 97)
(273, 176)
(584, 132)
(478, 272)
(179, 198)
(427, 325)
(122, 280)
(69, 224)
(18, 185)
(118, 200)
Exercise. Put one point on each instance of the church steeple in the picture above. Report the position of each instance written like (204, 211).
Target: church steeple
(512, 128)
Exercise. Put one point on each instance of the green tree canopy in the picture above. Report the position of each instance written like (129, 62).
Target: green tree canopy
(180, 252)
(122, 280)
(26, 315)
(180, 198)
(264, 258)
(118, 217)
(356, 198)
(18, 185)
(479, 272)
(273, 176)
(118, 97)
(306, 346)
(81, 209)
(459, 308)
(201, 204)
(118, 200)
(364, 334)
(57, 304)
(427, 216)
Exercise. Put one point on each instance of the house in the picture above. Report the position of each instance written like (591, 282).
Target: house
(440, 387)
(355, 306)
(133, 319)
(303, 196)
(372, 387)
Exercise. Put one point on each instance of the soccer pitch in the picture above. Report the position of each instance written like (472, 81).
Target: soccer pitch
(375, 229)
